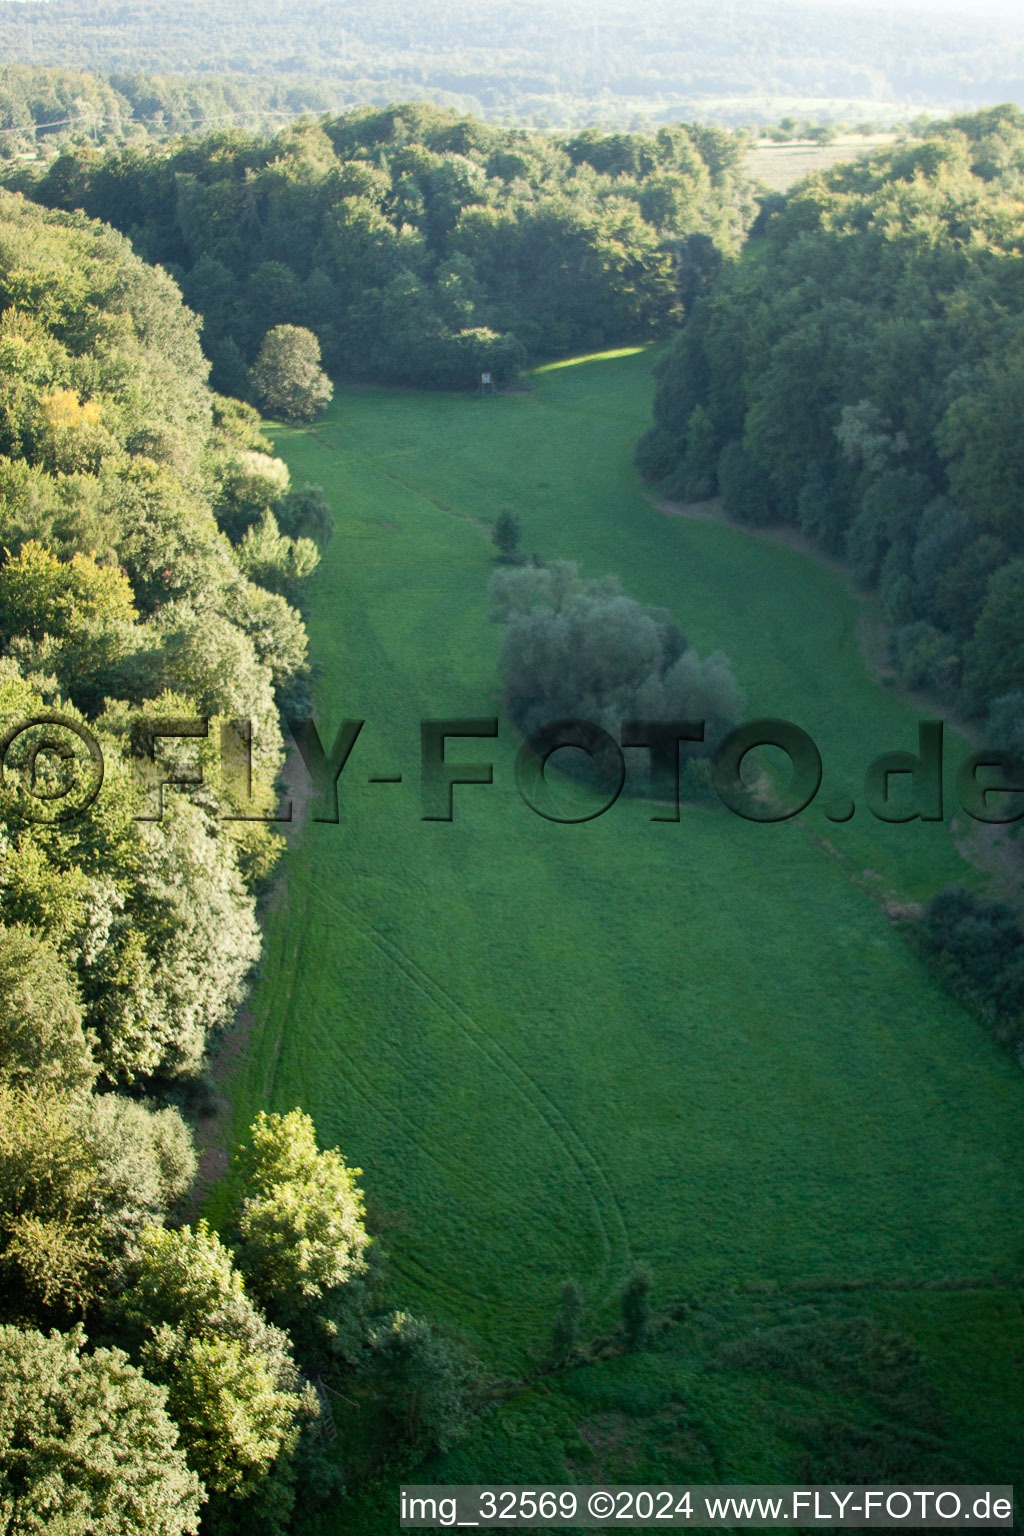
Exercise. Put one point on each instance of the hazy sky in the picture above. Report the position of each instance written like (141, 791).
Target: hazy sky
(978, 9)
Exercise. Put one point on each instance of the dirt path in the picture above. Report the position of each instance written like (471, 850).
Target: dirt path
(212, 1132)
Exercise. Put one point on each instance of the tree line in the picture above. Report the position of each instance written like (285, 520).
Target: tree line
(151, 1370)
(44, 106)
(418, 246)
(860, 374)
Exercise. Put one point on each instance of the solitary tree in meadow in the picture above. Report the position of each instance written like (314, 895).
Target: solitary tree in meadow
(506, 533)
(287, 378)
(636, 1308)
(565, 1335)
(583, 650)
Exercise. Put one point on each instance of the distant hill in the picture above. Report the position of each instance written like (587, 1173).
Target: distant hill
(542, 62)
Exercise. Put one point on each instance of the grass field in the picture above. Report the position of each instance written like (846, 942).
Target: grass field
(561, 1050)
(780, 166)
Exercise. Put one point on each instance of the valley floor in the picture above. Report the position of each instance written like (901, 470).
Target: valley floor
(561, 1050)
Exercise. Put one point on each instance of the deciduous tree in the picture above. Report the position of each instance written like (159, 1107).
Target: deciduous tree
(287, 378)
(87, 1447)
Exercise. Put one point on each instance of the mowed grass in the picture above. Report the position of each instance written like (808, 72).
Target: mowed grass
(562, 1050)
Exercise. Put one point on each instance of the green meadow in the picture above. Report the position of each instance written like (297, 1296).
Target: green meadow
(562, 1050)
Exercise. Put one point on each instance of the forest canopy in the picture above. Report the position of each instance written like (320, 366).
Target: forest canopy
(418, 246)
(860, 374)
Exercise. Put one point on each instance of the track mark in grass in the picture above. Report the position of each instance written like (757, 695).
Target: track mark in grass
(561, 1128)
(507, 1065)
(565, 1134)
(409, 1263)
(441, 506)
(294, 972)
(389, 1117)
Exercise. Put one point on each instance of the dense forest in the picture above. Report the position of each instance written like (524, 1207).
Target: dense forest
(153, 549)
(561, 65)
(43, 106)
(860, 375)
(419, 246)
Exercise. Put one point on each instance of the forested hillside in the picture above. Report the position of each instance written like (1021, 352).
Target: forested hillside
(152, 549)
(121, 597)
(563, 65)
(43, 106)
(861, 375)
(421, 247)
